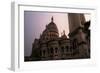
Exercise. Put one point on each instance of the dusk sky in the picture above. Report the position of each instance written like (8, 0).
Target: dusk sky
(35, 23)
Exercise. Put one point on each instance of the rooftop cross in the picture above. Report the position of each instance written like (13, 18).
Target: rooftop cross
(52, 19)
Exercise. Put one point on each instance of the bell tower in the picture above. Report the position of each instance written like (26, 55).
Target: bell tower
(76, 21)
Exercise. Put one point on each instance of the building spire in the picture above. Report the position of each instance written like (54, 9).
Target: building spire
(52, 19)
(64, 32)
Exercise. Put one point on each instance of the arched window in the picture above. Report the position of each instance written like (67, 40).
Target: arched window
(43, 52)
(40, 53)
(56, 49)
(67, 48)
(51, 50)
(48, 50)
(62, 49)
(75, 44)
(71, 49)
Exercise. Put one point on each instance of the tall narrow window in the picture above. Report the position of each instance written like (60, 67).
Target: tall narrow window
(56, 49)
(74, 43)
(43, 52)
(75, 46)
(62, 49)
(51, 50)
(66, 48)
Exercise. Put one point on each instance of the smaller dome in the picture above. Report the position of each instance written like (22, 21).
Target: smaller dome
(64, 35)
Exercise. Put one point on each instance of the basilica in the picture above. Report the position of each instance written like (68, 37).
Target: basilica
(51, 46)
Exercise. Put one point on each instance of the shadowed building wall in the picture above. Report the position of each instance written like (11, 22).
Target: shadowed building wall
(77, 35)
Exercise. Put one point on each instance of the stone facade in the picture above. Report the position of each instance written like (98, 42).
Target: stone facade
(52, 47)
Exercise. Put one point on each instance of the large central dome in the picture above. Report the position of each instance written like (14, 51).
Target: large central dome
(52, 26)
(51, 32)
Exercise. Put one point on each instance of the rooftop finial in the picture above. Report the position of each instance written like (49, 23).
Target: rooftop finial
(52, 19)
(64, 32)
